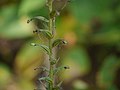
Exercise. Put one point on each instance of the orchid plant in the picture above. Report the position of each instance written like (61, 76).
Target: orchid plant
(47, 28)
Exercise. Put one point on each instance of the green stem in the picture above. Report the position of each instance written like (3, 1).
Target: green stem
(51, 75)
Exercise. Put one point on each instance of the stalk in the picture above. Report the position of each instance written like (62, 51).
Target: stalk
(51, 75)
(49, 34)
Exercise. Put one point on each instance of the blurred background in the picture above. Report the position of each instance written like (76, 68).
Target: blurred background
(92, 29)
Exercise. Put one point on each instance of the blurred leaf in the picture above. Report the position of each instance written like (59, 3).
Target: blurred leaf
(7, 15)
(110, 37)
(27, 60)
(112, 87)
(107, 72)
(80, 85)
(5, 75)
(78, 61)
(25, 84)
(85, 10)
(28, 6)
(16, 29)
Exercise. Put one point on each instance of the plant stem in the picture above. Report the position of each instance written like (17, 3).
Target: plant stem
(51, 75)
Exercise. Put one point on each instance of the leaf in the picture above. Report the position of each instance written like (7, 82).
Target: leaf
(78, 59)
(47, 79)
(16, 30)
(47, 33)
(88, 9)
(106, 75)
(46, 48)
(58, 42)
(5, 75)
(58, 86)
(60, 68)
(38, 18)
(28, 6)
(27, 59)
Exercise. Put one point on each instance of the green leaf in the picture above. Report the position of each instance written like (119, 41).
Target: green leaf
(58, 42)
(89, 9)
(58, 86)
(40, 22)
(38, 18)
(47, 79)
(16, 30)
(47, 33)
(5, 75)
(27, 59)
(106, 75)
(28, 6)
(60, 68)
(46, 48)
(78, 59)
